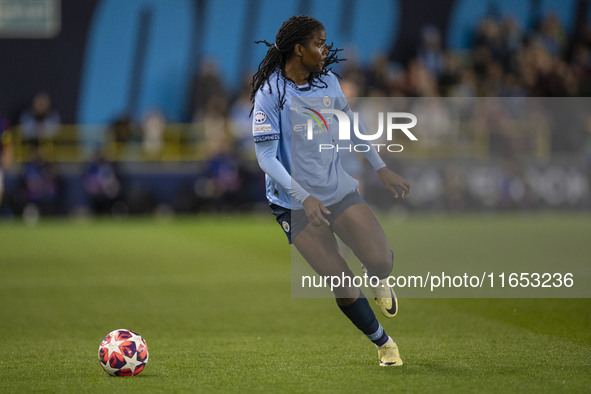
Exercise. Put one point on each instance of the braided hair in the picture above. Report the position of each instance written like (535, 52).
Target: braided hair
(295, 30)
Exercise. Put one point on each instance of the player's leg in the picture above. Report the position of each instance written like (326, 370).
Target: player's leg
(319, 247)
(358, 227)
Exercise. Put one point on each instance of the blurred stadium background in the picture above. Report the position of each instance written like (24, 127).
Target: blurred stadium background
(141, 106)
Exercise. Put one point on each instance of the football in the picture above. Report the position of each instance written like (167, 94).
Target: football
(123, 353)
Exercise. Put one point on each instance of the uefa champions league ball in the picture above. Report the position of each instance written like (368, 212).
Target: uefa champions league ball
(123, 353)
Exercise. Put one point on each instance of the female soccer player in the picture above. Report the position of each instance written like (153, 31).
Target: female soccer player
(310, 194)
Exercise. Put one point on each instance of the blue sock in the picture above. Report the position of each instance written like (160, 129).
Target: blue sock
(361, 314)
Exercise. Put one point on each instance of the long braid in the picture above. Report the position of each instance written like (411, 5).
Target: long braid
(295, 30)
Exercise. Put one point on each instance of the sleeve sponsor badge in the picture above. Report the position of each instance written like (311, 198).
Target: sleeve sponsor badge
(261, 128)
(260, 117)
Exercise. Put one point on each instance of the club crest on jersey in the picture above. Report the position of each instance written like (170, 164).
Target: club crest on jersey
(285, 226)
(326, 101)
(260, 117)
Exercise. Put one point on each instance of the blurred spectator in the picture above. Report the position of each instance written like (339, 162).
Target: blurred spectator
(492, 80)
(493, 119)
(544, 75)
(581, 61)
(41, 188)
(450, 75)
(553, 36)
(455, 187)
(466, 85)
(430, 54)
(40, 121)
(120, 132)
(224, 183)
(6, 154)
(240, 121)
(419, 82)
(216, 126)
(382, 74)
(103, 184)
(439, 124)
(207, 83)
(153, 126)
(512, 87)
(512, 35)
(122, 129)
(489, 46)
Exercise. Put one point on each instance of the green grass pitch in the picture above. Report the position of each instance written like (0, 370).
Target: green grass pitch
(212, 298)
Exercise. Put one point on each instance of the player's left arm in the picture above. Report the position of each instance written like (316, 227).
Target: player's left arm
(391, 180)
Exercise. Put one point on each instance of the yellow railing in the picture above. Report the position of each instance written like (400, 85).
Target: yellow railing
(75, 143)
(187, 142)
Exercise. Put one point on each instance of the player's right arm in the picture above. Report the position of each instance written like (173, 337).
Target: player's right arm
(266, 152)
(266, 134)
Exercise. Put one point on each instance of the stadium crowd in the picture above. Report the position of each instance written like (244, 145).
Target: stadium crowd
(504, 61)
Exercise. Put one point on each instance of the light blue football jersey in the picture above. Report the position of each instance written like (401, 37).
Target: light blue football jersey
(319, 172)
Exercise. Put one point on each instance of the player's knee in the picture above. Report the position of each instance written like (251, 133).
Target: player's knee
(380, 264)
